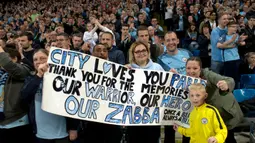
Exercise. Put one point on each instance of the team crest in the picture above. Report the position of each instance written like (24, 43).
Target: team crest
(204, 121)
(184, 60)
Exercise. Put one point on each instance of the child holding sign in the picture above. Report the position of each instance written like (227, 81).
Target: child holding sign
(206, 124)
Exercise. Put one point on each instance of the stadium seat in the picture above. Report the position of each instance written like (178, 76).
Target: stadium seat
(244, 94)
(196, 53)
(247, 81)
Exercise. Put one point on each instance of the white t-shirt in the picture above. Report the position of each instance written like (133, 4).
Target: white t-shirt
(169, 13)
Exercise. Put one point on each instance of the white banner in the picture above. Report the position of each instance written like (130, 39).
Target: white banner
(88, 88)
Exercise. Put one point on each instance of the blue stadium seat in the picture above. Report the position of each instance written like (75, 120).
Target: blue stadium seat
(244, 94)
(196, 53)
(247, 81)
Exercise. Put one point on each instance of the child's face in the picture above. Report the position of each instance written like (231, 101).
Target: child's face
(233, 28)
(197, 97)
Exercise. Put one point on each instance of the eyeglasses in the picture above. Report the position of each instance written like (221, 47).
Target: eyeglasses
(140, 51)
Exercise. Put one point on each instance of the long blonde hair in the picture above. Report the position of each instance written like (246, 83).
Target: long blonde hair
(131, 58)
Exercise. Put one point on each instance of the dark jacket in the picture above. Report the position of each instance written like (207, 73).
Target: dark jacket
(225, 102)
(138, 23)
(244, 68)
(28, 92)
(117, 24)
(116, 56)
(203, 42)
(125, 45)
(249, 42)
(13, 110)
(176, 22)
(155, 52)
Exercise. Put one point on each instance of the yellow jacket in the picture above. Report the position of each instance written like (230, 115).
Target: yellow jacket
(205, 122)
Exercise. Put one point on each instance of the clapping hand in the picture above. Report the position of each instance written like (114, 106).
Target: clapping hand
(42, 69)
(243, 37)
(234, 37)
(85, 47)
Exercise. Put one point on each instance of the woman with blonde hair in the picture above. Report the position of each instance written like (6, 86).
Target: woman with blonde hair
(139, 58)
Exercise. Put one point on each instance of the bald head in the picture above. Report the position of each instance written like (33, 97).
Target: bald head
(151, 31)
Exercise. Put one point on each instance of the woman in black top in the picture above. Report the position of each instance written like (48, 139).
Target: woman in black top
(204, 46)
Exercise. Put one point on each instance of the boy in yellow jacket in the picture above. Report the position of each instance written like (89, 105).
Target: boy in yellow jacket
(206, 124)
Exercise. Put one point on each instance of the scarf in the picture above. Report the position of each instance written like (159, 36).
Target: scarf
(3, 78)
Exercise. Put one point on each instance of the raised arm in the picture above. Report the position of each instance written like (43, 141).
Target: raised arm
(29, 89)
(104, 29)
(18, 71)
(227, 44)
(215, 78)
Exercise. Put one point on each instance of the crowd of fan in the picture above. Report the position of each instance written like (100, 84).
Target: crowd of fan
(220, 32)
